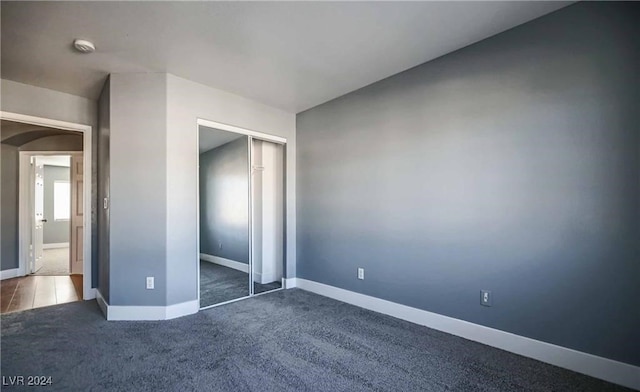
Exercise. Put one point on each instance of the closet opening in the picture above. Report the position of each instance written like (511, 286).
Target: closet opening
(241, 182)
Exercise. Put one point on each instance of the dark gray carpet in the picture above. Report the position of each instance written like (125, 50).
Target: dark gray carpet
(220, 284)
(284, 341)
(263, 288)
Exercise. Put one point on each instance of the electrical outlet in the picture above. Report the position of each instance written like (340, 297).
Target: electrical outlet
(219, 245)
(150, 283)
(485, 298)
(361, 273)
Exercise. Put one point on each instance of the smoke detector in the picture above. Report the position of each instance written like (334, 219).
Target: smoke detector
(84, 46)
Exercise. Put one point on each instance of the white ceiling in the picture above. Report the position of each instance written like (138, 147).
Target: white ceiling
(290, 55)
(210, 138)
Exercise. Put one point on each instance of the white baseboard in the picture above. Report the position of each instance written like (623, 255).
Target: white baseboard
(592, 365)
(102, 303)
(182, 309)
(289, 283)
(145, 313)
(89, 294)
(10, 273)
(236, 265)
(55, 245)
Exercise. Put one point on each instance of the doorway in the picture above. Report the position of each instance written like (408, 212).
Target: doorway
(241, 213)
(43, 257)
(53, 184)
(51, 215)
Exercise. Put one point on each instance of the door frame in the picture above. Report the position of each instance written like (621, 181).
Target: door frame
(251, 135)
(24, 224)
(26, 187)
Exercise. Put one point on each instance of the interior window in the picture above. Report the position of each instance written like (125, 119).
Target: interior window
(61, 200)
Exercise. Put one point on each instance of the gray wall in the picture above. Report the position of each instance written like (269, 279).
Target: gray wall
(153, 183)
(8, 207)
(54, 231)
(104, 118)
(138, 189)
(224, 201)
(186, 102)
(511, 165)
(41, 102)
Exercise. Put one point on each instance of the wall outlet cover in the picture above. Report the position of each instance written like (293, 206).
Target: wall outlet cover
(150, 283)
(485, 298)
(361, 273)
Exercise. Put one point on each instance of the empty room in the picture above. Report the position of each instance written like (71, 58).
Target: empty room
(320, 196)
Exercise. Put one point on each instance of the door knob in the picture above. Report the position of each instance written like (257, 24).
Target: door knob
(43, 220)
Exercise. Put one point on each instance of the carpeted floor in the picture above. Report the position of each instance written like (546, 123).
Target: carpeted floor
(220, 284)
(289, 340)
(55, 262)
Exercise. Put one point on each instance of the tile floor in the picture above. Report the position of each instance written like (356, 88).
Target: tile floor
(32, 291)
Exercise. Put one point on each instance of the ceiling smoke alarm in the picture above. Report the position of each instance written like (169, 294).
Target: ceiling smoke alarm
(84, 46)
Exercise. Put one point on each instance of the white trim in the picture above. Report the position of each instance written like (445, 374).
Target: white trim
(251, 222)
(182, 309)
(102, 303)
(239, 299)
(87, 291)
(225, 302)
(198, 212)
(236, 265)
(23, 118)
(55, 245)
(602, 368)
(148, 313)
(268, 291)
(290, 283)
(145, 313)
(242, 131)
(90, 294)
(10, 273)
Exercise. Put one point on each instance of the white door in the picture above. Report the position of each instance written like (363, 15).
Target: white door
(37, 216)
(77, 213)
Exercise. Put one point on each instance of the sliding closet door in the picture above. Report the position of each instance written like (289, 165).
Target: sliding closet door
(267, 226)
(241, 203)
(224, 216)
